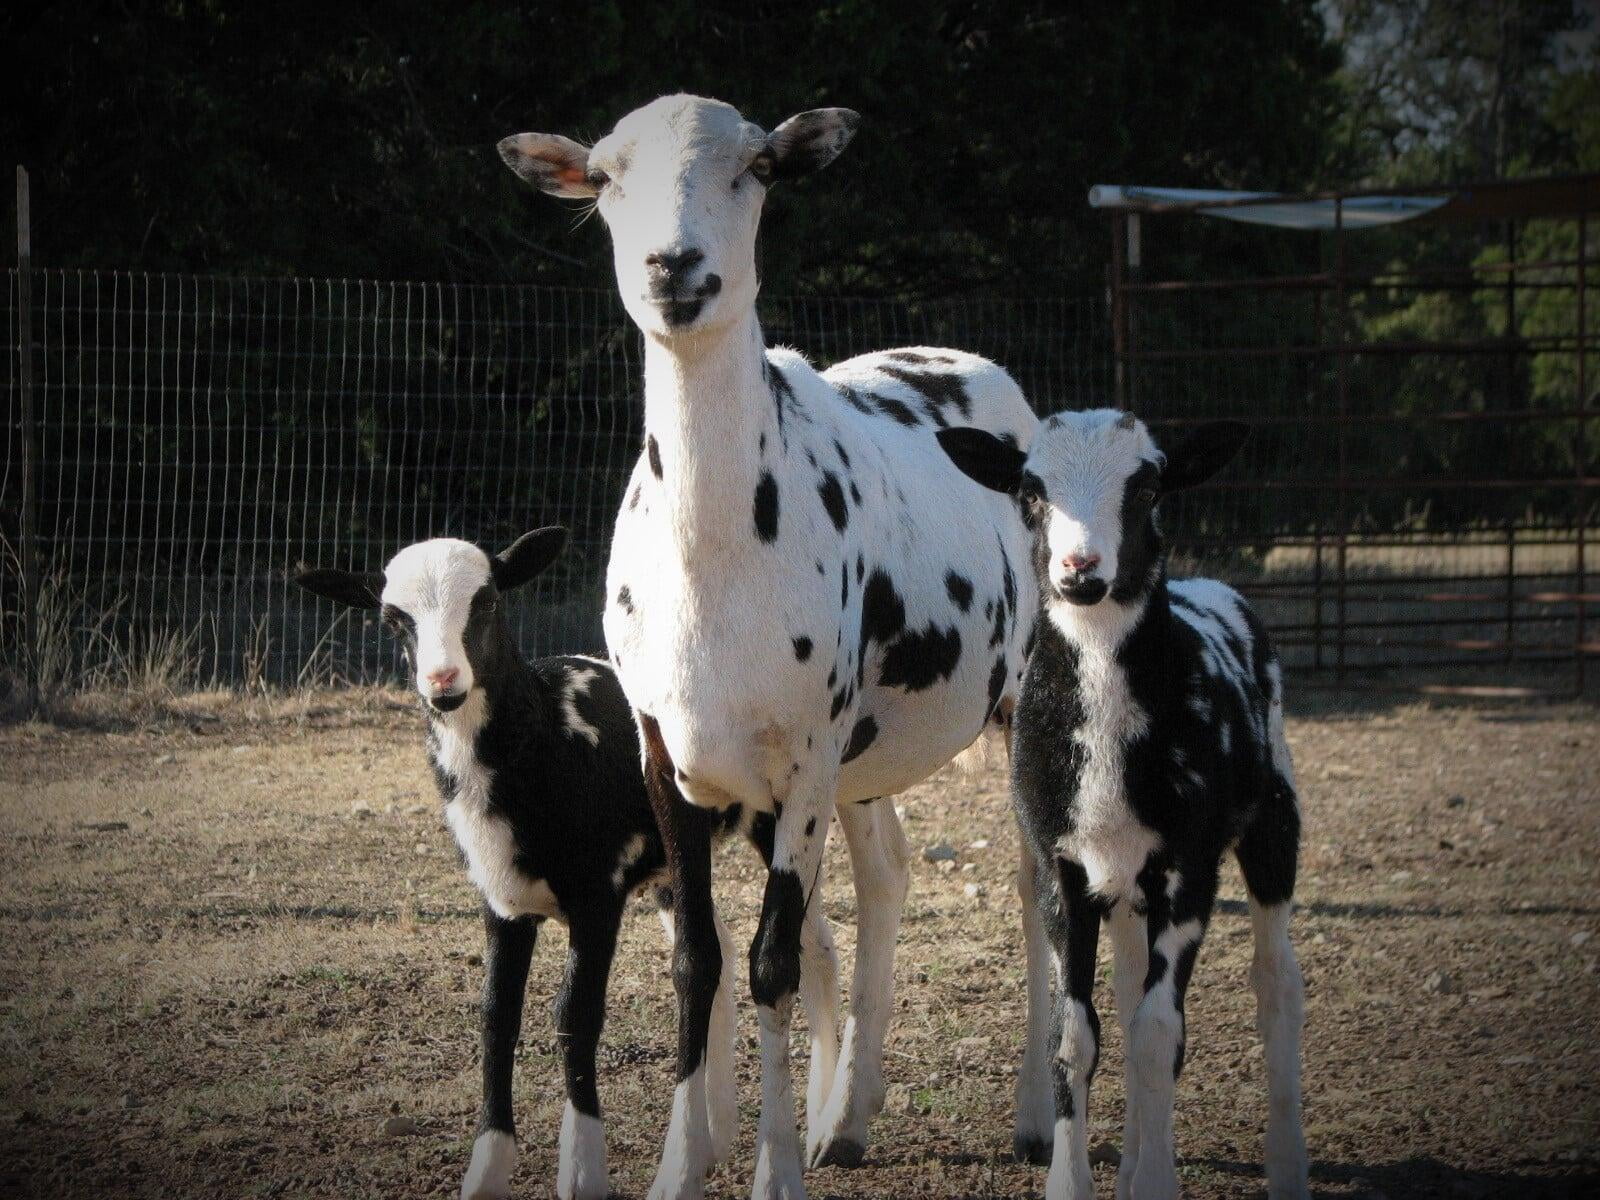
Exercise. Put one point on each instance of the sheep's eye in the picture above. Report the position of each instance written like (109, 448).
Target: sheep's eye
(761, 167)
(597, 179)
(1147, 495)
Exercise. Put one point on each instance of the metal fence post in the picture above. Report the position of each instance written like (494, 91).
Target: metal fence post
(1580, 464)
(28, 552)
(1341, 317)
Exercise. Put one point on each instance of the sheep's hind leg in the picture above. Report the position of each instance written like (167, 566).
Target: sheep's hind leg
(880, 864)
(1031, 1139)
(580, 1013)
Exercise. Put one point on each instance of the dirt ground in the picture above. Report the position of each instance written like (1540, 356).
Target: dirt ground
(238, 941)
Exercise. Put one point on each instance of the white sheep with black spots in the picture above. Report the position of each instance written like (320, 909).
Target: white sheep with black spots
(1149, 742)
(773, 506)
(538, 767)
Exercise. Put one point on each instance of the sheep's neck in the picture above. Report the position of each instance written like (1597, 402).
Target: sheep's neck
(707, 406)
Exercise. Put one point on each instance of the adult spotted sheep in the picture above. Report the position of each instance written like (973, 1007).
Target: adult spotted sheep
(1149, 743)
(538, 768)
(808, 606)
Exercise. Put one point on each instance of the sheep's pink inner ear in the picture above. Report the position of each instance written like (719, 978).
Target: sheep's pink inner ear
(551, 163)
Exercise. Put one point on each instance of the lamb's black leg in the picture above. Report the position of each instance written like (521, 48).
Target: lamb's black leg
(509, 950)
(1071, 921)
(580, 1013)
(696, 965)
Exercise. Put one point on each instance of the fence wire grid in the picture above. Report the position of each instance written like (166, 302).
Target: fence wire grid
(198, 436)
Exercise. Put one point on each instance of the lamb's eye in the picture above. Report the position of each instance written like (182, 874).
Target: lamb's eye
(761, 167)
(597, 179)
(1147, 495)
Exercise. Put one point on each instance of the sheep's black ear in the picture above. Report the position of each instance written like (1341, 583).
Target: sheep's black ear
(1202, 454)
(527, 556)
(984, 457)
(810, 140)
(552, 163)
(355, 589)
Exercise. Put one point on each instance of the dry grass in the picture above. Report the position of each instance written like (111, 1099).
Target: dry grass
(238, 939)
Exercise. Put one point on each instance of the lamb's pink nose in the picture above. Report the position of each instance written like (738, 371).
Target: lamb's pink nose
(1080, 564)
(442, 679)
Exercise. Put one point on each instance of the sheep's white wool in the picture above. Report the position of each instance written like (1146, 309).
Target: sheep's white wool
(1107, 838)
(578, 683)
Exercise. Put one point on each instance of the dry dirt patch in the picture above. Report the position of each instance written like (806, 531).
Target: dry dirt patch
(235, 947)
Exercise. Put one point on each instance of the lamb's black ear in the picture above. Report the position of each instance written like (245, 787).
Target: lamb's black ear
(355, 589)
(809, 141)
(984, 457)
(1202, 454)
(527, 556)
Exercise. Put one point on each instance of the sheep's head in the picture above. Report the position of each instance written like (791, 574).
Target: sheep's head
(1088, 488)
(441, 597)
(680, 183)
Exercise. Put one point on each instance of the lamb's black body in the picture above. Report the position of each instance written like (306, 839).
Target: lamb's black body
(581, 823)
(1148, 742)
(539, 768)
(1198, 798)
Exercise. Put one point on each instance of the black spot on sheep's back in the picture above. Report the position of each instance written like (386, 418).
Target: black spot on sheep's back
(833, 500)
(802, 648)
(895, 410)
(625, 599)
(652, 449)
(960, 589)
(938, 391)
(766, 508)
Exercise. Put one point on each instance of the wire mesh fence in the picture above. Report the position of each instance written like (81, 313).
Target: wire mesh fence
(1418, 498)
(197, 436)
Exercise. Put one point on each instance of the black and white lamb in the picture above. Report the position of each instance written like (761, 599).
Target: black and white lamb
(1148, 742)
(538, 765)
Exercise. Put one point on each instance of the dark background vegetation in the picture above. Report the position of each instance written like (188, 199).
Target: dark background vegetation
(357, 139)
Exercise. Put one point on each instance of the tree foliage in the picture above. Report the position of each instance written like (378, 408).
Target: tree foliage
(357, 139)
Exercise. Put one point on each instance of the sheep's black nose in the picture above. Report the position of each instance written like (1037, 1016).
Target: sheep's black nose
(669, 268)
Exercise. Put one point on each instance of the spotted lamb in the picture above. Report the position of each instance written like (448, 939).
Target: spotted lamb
(1149, 742)
(538, 765)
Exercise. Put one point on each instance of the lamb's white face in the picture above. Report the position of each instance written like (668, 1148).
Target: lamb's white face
(1089, 483)
(434, 592)
(680, 184)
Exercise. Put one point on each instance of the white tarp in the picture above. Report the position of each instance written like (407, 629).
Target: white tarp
(1362, 212)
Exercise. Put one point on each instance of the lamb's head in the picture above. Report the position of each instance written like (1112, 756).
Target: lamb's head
(1088, 488)
(680, 183)
(442, 599)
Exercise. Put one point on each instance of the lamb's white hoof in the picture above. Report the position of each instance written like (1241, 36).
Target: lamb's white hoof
(494, 1157)
(581, 1173)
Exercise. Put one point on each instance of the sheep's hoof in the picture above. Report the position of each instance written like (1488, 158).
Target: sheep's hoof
(839, 1152)
(1033, 1150)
